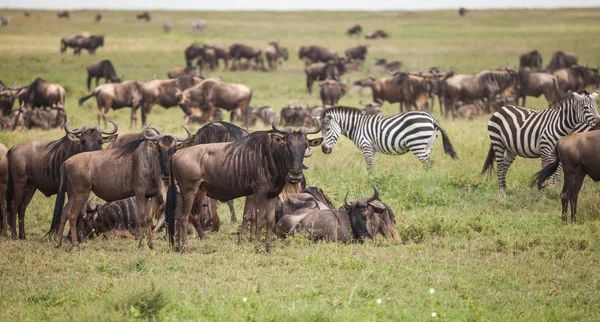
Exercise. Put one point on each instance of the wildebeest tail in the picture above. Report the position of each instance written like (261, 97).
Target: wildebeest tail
(171, 203)
(488, 166)
(543, 175)
(60, 202)
(448, 148)
(85, 98)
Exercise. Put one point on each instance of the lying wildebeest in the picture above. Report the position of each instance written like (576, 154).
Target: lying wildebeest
(371, 108)
(4, 21)
(331, 92)
(102, 69)
(239, 51)
(3, 182)
(115, 218)
(462, 11)
(178, 71)
(222, 172)
(315, 54)
(275, 54)
(211, 94)
(363, 218)
(167, 26)
(309, 198)
(323, 71)
(53, 118)
(198, 25)
(115, 96)
(295, 115)
(42, 94)
(382, 66)
(35, 166)
(138, 169)
(354, 30)
(576, 78)
(63, 14)
(362, 86)
(358, 53)
(247, 65)
(579, 157)
(416, 90)
(532, 59)
(144, 15)
(264, 114)
(536, 84)
(386, 90)
(471, 110)
(7, 99)
(561, 59)
(376, 34)
(165, 93)
(13, 121)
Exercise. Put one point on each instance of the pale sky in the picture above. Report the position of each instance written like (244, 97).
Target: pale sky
(291, 4)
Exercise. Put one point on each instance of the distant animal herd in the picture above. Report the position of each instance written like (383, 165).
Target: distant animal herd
(150, 175)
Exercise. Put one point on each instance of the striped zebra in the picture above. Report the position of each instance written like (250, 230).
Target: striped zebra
(517, 131)
(412, 131)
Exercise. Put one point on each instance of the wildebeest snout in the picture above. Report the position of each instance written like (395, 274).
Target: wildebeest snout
(294, 176)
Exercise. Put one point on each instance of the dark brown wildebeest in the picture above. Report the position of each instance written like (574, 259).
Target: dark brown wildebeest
(308, 198)
(144, 15)
(221, 171)
(101, 69)
(294, 115)
(115, 96)
(532, 59)
(90, 44)
(53, 118)
(211, 94)
(165, 93)
(275, 54)
(70, 42)
(7, 99)
(358, 53)
(363, 218)
(27, 13)
(3, 182)
(138, 169)
(323, 71)
(462, 11)
(247, 65)
(315, 54)
(416, 90)
(193, 52)
(382, 66)
(221, 52)
(579, 157)
(536, 84)
(239, 51)
(42, 94)
(204, 55)
(576, 78)
(35, 166)
(63, 14)
(178, 71)
(355, 30)
(561, 59)
(331, 92)
(386, 90)
(439, 77)
(98, 17)
(376, 34)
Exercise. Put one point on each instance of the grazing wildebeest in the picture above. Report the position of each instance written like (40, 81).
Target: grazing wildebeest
(101, 69)
(98, 17)
(315, 54)
(376, 34)
(3, 182)
(222, 172)
(138, 169)
(358, 53)
(144, 15)
(53, 118)
(167, 26)
(4, 21)
(561, 59)
(576, 78)
(382, 66)
(355, 30)
(63, 14)
(323, 71)
(386, 90)
(516, 131)
(211, 94)
(416, 90)
(275, 54)
(532, 59)
(331, 91)
(35, 166)
(198, 25)
(115, 96)
(578, 154)
(42, 94)
(165, 93)
(178, 71)
(536, 84)
(239, 51)
(363, 218)
(462, 11)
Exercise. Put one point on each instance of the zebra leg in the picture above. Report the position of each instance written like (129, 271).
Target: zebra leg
(368, 153)
(423, 153)
(503, 161)
(548, 158)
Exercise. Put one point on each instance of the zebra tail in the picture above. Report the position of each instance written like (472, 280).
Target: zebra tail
(488, 166)
(448, 148)
(540, 177)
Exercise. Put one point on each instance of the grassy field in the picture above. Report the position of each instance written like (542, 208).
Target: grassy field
(488, 255)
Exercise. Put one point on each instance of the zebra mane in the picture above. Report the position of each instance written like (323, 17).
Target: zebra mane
(344, 109)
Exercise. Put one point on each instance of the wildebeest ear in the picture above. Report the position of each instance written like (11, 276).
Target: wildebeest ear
(315, 142)
(73, 137)
(109, 138)
(278, 138)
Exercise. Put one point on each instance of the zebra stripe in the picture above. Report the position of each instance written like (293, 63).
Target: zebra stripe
(518, 131)
(412, 131)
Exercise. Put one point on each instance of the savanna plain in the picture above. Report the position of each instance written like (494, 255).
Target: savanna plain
(487, 255)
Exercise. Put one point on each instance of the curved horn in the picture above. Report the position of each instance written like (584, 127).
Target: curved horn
(287, 130)
(115, 129)
(75, 132)
(306, 131)
(375, 194)
(391, 72)
(346, 200)
(189, 135)
(309, 153)
(150, 138)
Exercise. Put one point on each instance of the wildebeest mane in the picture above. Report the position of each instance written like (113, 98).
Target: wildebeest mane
(129, 147)
(60, 151)
(108, 67)
(184, 82)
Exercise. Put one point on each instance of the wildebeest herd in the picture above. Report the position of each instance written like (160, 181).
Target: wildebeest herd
(148, 176)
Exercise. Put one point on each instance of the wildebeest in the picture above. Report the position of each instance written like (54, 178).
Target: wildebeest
(7, 99)
(315, 54)
(90, 44)
(35, 166)
(4, 21)
(239, 51)
(462, 11)
(357, 53)
(387, 90)
(376, 34)
(382, 66)
(439, 77)
(115, 96)
(470, 110)
(536, 84)
(532, 59)
(579, 157)
(198, 25)
(331, 91)
(143, 16)
(362, 86)
(221, 52)
(165, 93)
(561, 59)
(204, 55)
(42, 94)
(3, 182)
(294, 115)
(44, 119)
(371, 108)
(247, 65)
(358, 220)
(275, 54)
(308, 198)
(211, 94)
(98, 17)
(354, 30)
(101, 69)
(115, 218)
(63, 14)
(264, 114)
(27, 13)
(416, 90)
(222, 172)
(576, 78)
(138, 169)
(323, 71)
(167, 26)
(178, 71)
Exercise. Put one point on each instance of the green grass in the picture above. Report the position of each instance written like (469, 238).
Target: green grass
(488, 255)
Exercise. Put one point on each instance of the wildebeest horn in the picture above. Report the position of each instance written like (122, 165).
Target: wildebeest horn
(309, 153)
(287, 130)
(375, 194)
(150, 138)
(115, 129)
(306, 131)
(75, 132)
(346, 200)
(391, 72)
(189, 135)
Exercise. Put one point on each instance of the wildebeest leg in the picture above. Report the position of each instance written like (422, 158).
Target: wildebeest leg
(19, 187)
(4, 217)
(28, 193)
(246, 216)
(140, 201)
(197, 217)
(576, 181)
(97, 78)
(89, 82)
(524, 98)
(105, 110)
(181, 220)
(133, 118)
(270, 214)
(232, 211)
(156, 210)
(309, 84)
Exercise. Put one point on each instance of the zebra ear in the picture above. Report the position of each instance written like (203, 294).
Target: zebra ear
(594, 95)
(570, 93)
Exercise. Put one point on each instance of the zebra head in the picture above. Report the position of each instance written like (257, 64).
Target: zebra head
(331, 133)
(588, 108)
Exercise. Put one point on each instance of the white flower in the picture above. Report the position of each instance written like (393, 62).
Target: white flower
(433, 315)
(378, 301)
(431, 291)
(244, 299)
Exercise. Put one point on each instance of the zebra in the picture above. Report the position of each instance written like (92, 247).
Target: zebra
(518, 131)
(413, 131)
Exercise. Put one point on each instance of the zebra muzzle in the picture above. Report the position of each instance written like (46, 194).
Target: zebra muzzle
(325, 149)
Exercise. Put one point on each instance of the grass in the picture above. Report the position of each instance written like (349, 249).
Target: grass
(489, 255)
